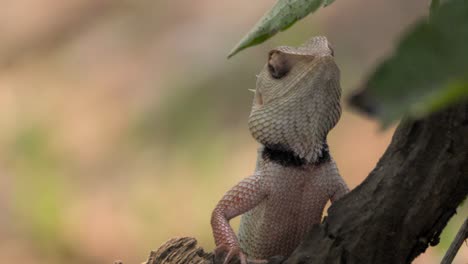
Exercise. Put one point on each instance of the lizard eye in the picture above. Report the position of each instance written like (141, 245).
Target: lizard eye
(278, 64)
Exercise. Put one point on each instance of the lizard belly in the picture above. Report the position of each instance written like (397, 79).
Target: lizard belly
(280, 222)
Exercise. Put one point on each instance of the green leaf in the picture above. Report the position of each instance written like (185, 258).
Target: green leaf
(434, 6)
(428, 71)
(283, 15)
(328, 2)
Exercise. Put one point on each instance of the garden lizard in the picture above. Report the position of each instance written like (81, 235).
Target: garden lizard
(296, 104)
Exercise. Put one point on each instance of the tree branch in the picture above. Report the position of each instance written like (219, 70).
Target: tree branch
(396, 213)
(406, 201)
(456, 244)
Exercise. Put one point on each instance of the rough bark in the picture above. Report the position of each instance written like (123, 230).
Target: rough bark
(399, 210)
(405, 202)
(180, 250)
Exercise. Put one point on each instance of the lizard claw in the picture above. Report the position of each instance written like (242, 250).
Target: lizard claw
(231, 252)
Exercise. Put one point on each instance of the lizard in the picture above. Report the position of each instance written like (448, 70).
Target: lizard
(296, 104)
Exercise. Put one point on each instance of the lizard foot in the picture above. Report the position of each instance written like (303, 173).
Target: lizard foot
(228, 253)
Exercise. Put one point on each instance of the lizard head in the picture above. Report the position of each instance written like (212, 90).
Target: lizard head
(297, 99)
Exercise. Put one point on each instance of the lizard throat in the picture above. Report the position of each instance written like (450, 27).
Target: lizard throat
(287, 158)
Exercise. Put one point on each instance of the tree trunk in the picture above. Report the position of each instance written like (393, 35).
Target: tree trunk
(399, 210)
(405, 202)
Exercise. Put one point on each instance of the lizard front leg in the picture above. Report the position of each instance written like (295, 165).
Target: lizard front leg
(241, 198)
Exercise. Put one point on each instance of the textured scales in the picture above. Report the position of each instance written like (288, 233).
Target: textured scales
(296, 104)
(298, 110)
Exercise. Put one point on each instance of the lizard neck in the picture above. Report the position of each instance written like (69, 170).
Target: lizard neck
(287, 158)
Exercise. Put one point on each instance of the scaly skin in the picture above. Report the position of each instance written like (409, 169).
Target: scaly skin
(296, 104)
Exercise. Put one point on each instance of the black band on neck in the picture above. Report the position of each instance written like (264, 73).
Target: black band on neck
(324, 155)
(287, 158)
(283, 156)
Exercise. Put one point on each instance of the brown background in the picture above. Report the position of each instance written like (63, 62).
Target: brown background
(122, 123)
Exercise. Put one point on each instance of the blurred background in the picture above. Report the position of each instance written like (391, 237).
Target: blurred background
(122, 123)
